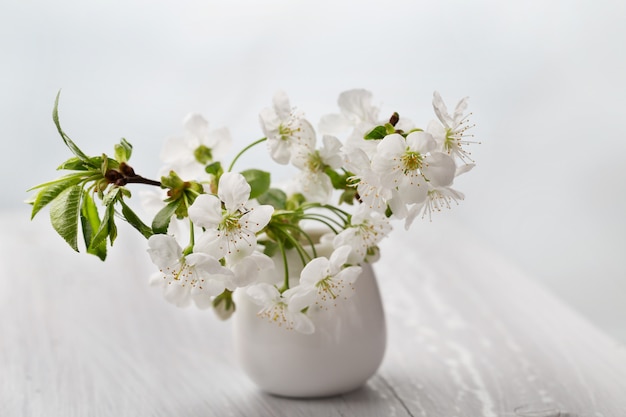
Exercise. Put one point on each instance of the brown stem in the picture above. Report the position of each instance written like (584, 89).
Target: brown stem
(138, 179)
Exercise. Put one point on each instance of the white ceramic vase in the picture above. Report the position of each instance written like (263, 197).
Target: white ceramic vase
(345, 350)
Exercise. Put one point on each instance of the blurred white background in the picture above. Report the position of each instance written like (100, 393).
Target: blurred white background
(546, 81)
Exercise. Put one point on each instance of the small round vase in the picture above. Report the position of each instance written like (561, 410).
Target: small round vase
(345, 350)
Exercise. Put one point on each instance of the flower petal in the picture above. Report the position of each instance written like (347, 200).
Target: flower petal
(302, 323)
(206, 211)
(421, 142)
(316, 270)
(338, 258)
(281, 105)
(441, 111)
(234, 191)
(334, 123)
(219, 141)
(256, 218)
(356, 105)
(440, 169)
(300, 298)
(263, 294)
(164, 250)
(196, 125)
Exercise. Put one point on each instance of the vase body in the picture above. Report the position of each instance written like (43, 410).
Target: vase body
(345, 350)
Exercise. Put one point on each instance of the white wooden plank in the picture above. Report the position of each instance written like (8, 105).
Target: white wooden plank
(469, 335)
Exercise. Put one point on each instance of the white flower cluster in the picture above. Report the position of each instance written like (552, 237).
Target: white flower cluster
(385, 170)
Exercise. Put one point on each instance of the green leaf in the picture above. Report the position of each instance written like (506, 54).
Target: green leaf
(348, 196)
(64, 211)
(172, 181)
(123, 151)
(274, 197)
(162, 219)
(52, 191)
(135, 221)
(112, 226)
(259, 181)
(111, 196)
(339, 181)
(68, 142)
(102, 233)
(90, 222)
(214, 169)
(75, 164)
(377, 133)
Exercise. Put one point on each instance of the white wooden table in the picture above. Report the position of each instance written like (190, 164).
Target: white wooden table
(469, 335)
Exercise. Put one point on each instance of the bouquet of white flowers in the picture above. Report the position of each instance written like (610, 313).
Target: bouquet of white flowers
(216, 229)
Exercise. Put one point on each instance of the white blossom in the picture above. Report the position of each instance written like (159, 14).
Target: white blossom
(371, 192)
(229, 231)
(185, 278)
(187, 155)
(246, 269)
(407, 164)
(356, 113)
(324, 281)
(355, 108)
(275, 308)
(286, 130)
(312, 179)
(451, 133)
(438, 199)
(367, 228)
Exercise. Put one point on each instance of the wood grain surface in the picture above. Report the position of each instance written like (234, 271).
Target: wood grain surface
(469, 336)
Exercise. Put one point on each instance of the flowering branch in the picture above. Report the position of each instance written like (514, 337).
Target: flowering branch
(239, 226)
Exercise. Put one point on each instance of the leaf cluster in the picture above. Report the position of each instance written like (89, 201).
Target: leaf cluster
(70, 198)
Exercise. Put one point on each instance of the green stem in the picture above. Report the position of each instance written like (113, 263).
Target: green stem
(230, 168)
(192, 233)
(311, 243)
(327, 222)
(343, 215)
(296, 244)
(283, 252)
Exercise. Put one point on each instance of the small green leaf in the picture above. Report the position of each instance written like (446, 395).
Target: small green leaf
(75, 164)
(172, 181)
(339, 181)
(390, 128)
(135, 221)
(90, 222)
(64, 211)
(112, 226)
(274, 197)
(164, 216)
(123, 151)
(214, 169)
(103, 231)
(111, 196)
(348, 196)
(68, 142)
(377, 133)
(259, 181)
(52, 191)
